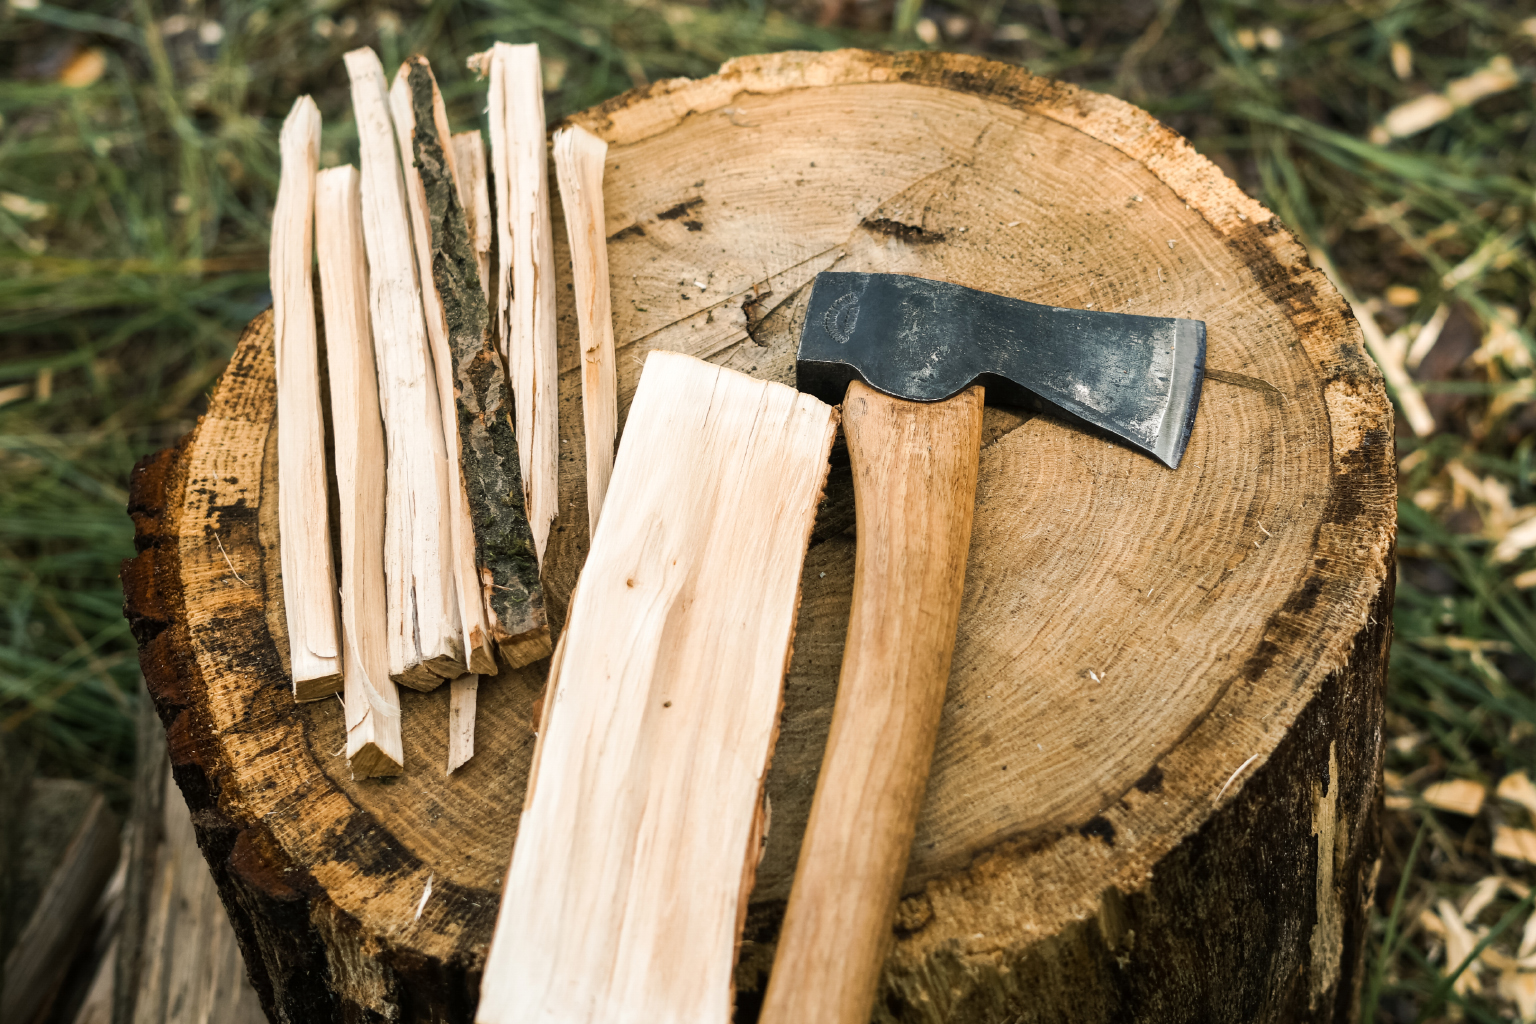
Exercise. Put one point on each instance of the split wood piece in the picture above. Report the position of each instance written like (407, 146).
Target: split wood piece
(422, 607)
(474, 196)
(525, 314)
(459, 527)
(628, 888)
(462, 694)
(503, 566)
(372, 702)
(309, 579)
(579, 159)
(1097, 794)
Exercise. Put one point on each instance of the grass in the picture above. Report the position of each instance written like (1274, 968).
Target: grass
(137, 169)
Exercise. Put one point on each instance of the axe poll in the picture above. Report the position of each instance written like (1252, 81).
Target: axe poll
(911, 361)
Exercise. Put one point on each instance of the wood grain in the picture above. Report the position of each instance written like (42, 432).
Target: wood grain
(914, 483)
(308, 575)
(641, 829)
(372, 701)
(1071, 844)
(424, 634)
(579, 167)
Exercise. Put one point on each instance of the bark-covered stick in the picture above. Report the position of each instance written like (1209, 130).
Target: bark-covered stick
(579, 159)
(488, 454)
(309, 579)
(432, 120)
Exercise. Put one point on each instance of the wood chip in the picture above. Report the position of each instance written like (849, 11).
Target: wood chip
(462, 695)
(579, 159)
(1459, 796)
(374, 745)
(423, 613)
(628, 884)
(309, 578)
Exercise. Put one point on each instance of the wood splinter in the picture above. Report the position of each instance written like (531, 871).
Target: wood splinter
(309, 578)
(579, 159)
(374, 745)
(423, 614)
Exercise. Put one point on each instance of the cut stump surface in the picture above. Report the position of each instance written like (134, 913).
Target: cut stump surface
(1155, 790)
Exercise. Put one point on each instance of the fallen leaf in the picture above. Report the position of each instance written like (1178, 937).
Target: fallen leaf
(84, 68)
(1517, 787)
(1515, 843)
(1459, 796)
(1459, 942)
(1519, 987)
(1482, 895)
(1528, 938)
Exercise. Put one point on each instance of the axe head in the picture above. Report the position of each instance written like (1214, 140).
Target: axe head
(1134, 378)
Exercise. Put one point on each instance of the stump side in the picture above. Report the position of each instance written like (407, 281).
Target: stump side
(1134, 745)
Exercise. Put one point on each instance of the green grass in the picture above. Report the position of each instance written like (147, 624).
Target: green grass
(133, 218)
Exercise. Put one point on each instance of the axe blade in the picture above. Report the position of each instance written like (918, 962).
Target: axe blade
(1135, 378)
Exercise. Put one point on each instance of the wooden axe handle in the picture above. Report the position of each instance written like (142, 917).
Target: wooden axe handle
(914, 485)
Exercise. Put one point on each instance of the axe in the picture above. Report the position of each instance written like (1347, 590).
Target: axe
(911, 361)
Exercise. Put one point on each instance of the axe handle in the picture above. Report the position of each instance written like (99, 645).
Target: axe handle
(914, 485)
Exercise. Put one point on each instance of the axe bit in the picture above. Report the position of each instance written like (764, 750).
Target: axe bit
(911, 361)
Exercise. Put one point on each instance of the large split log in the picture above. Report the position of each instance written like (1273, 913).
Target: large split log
(1155, 791)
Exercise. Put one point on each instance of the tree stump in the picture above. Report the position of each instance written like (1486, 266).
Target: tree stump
(1155, 793)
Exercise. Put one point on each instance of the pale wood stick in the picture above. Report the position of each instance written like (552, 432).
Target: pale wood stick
(423, 611)
(500, 293)
(520, 162)
(579, 159)
(373, 704)
(309, 579)
(476, 629)
(461, 720)
(469, 163)
(503, 552)
(628, 884)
